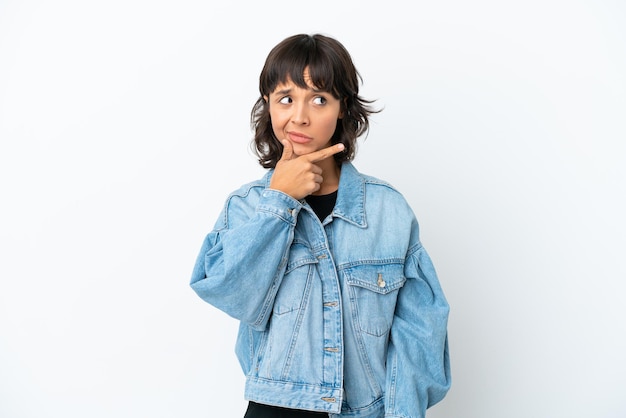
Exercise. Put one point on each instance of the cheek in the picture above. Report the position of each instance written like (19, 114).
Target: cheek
(278, 121)
(277, 127)
(331, 126)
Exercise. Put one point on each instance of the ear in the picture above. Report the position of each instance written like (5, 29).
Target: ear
(344, 103)
(265, 98)
(343, 110)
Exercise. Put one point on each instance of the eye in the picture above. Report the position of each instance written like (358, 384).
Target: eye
(285, 100)
(320, 100)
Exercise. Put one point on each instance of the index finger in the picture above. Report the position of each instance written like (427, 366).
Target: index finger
(324, 153)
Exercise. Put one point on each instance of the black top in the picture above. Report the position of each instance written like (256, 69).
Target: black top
(257, 410)
(323, 204)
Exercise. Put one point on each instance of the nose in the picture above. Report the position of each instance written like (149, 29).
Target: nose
(300, 115)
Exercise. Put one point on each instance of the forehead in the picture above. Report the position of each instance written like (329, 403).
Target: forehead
(305, 82)
(304, 76)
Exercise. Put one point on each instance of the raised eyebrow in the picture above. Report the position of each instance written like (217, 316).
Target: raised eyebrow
(283, 92)
(287, 91)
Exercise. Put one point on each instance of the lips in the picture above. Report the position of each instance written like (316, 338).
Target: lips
(299, 138)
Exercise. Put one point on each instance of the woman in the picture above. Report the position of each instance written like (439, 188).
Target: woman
(340, 308)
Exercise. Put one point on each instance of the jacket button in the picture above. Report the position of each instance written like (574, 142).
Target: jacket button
(381, 282)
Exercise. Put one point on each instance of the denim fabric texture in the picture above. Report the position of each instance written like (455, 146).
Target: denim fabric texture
(345, 316)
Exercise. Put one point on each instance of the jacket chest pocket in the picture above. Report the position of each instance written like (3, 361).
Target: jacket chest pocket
(373, 291)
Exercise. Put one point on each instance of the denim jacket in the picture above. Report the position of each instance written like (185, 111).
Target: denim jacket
(344, 316)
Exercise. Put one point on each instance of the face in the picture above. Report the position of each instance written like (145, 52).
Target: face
(306, 117)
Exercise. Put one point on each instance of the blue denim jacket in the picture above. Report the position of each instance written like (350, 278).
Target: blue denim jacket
(344, 316)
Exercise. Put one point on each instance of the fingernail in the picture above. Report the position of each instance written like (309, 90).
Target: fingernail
(340, 146)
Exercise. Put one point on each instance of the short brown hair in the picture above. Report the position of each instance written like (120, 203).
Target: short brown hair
(331, 69)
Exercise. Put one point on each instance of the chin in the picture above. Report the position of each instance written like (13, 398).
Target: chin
(302, 149)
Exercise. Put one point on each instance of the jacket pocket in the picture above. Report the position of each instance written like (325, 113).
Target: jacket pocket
(373, 290)
(296, 279)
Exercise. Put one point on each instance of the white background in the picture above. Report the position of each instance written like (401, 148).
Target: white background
(124, 125)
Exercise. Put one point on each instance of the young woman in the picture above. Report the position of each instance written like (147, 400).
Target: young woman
(340, 309)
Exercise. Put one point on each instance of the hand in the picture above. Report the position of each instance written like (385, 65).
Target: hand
(299, 177)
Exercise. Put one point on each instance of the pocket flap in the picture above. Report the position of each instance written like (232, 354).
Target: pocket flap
(379, 278)
(299, 255)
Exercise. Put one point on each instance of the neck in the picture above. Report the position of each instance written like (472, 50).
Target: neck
(330, 174)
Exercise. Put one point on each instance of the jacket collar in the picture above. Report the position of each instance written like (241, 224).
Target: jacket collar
(350, 205)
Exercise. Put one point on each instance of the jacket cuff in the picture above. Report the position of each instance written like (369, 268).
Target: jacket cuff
(279, 204)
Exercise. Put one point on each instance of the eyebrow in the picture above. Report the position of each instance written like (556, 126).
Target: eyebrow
(287, 91)
(281, 92)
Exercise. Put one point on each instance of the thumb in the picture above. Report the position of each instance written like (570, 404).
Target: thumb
(287, 150)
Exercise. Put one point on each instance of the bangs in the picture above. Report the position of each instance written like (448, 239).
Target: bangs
(290, 62)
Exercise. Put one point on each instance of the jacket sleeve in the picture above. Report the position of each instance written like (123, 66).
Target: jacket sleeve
(418, 364)
(242, 261)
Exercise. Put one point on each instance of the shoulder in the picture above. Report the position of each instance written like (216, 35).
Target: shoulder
(375, 182)
(379, 194)
(378, 187)
(248, 190)
(386, 209)
(242, 202)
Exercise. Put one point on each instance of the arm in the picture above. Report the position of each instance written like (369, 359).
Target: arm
(242, 261)
(418, 364)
